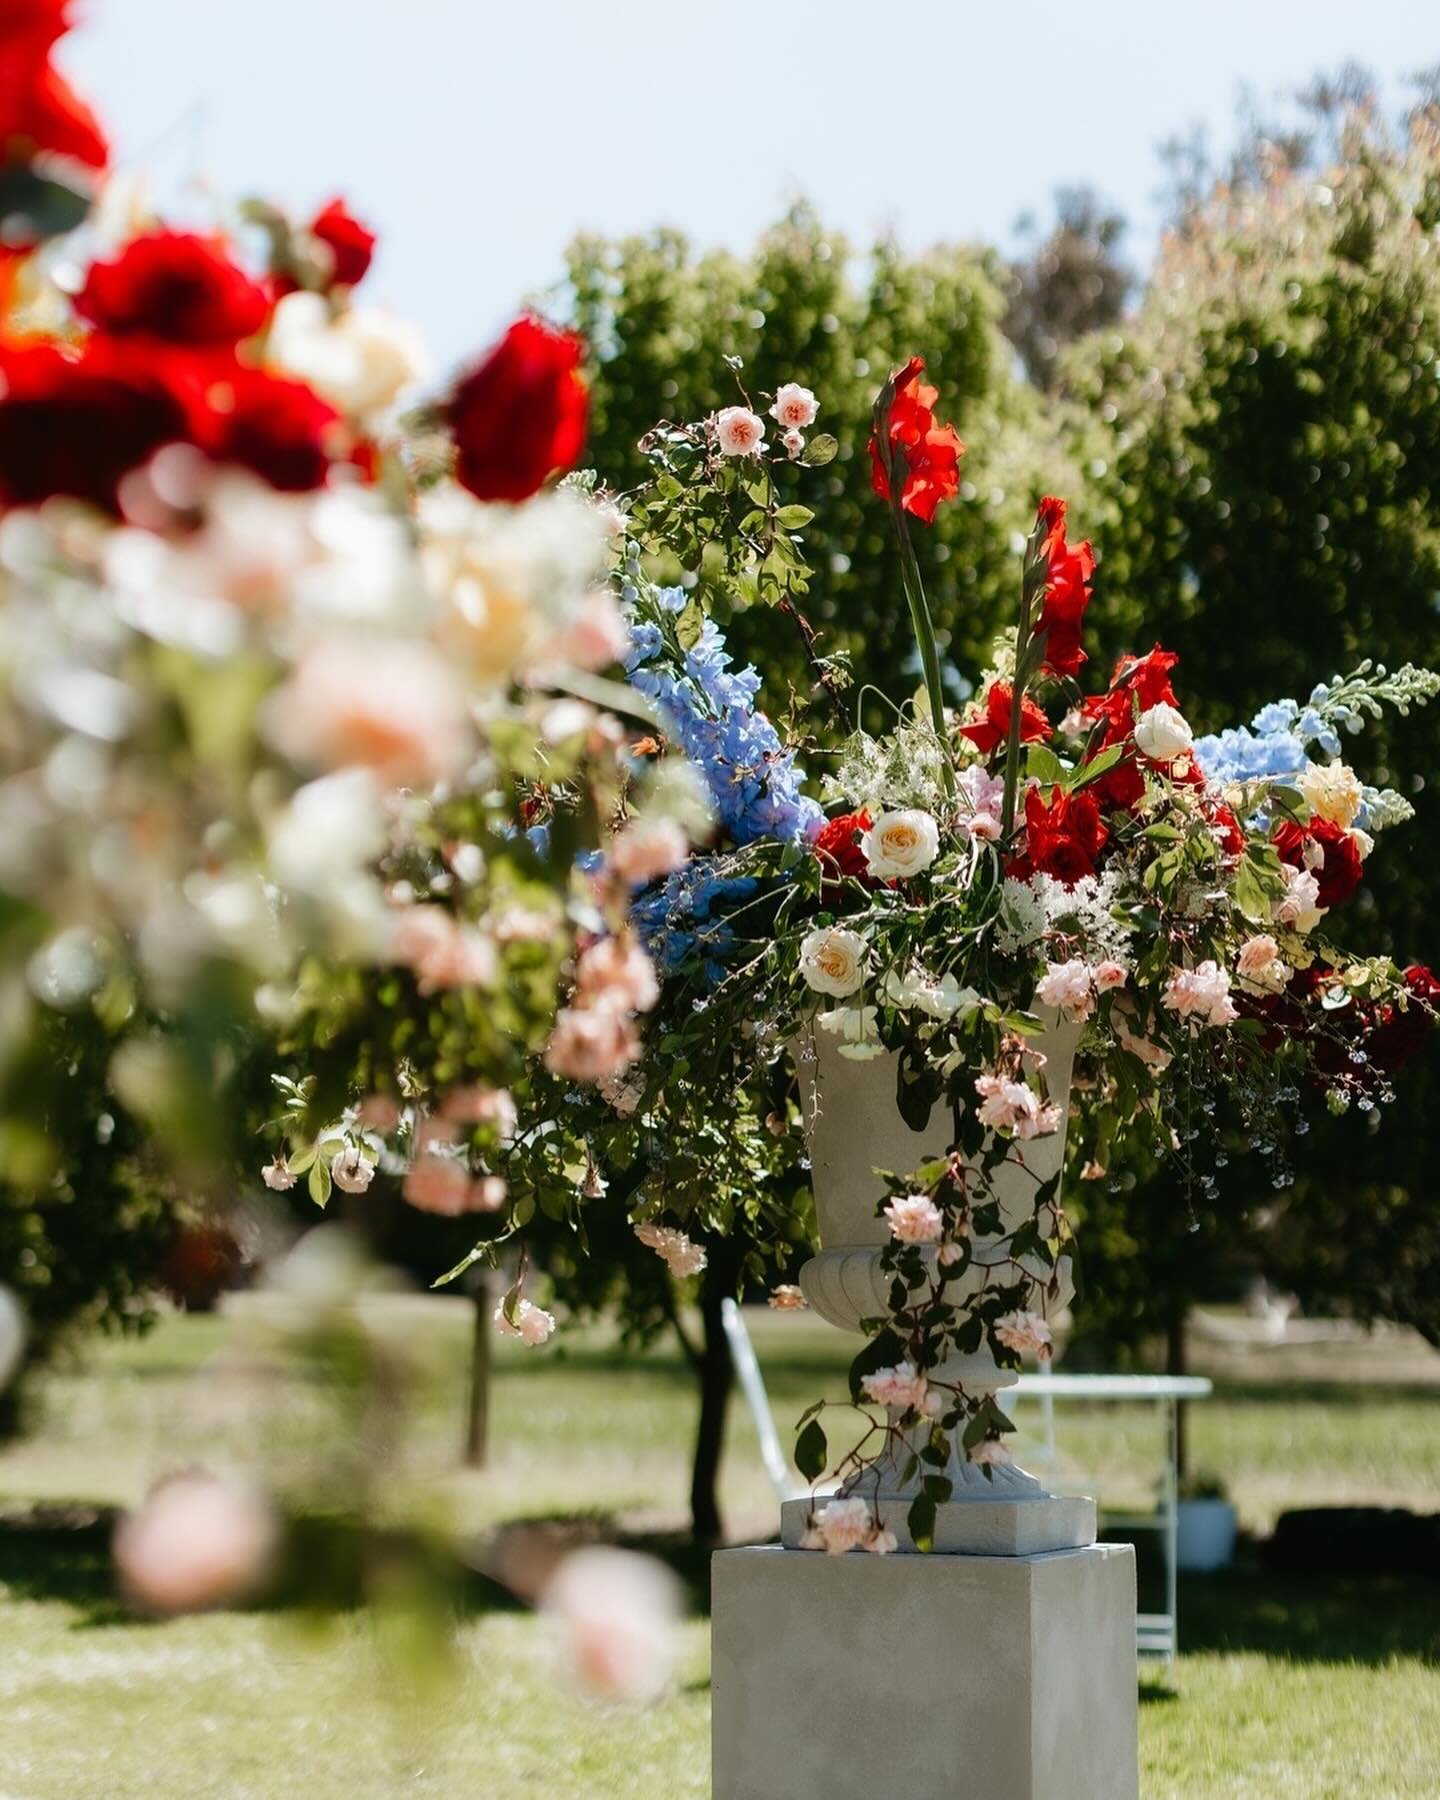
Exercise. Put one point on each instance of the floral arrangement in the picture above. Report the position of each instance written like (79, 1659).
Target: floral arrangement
(1058, 852)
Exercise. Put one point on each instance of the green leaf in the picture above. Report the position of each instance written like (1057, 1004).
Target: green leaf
(319, 1182)
(820, 450)
(1098, 766)
(792, 518)
(811, 1451)
(921, 1520)
(1044, 766)
(690, 625)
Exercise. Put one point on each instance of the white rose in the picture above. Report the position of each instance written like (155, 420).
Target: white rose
(740, 431)
(832, 960)
(795, 406)
(1162, 733)
(351, 1172)
(900, 843)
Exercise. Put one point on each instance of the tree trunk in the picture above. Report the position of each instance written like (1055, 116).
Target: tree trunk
(716, 1373)
(1175, 1364)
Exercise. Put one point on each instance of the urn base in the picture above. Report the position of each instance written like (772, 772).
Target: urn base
(999, 1527)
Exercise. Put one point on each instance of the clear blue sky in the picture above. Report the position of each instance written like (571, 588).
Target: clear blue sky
(478, 136)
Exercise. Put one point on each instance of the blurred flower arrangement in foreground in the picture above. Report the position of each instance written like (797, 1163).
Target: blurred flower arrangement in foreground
(294, 650)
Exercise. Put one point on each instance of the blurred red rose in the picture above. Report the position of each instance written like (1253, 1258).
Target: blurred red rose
(279, 429)
(75, 422)
(351, 244)
(993, 729)
(932, 452)
(175, 286)
(1400, 1035)
(519, 416)
(1340, 871)
(40, 113)
(1067, 591)
(1063, 838)
(837, 844)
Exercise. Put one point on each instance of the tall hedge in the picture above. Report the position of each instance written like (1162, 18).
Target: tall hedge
(1269, 466)
(662, 318)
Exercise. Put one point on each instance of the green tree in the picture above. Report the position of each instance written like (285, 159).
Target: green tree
(661, 321)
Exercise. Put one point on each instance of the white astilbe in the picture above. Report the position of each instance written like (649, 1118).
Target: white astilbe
(1030, 909)
(900, 770)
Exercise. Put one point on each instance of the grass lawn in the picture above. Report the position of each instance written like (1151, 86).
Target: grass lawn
(1303, 1688)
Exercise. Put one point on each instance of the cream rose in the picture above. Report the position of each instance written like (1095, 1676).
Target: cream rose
(900, 844)
(1332, 791)
(739, 431)
(832, 960)
(795, 406)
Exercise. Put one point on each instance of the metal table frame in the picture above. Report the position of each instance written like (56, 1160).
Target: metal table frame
(1156, 1634)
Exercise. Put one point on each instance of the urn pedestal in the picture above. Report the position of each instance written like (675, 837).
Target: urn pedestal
(924, 1677)
(1000, 1665)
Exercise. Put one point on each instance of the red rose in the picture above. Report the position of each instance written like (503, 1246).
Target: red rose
(1063, 839)
(932, 452)
(281, 430)
(989, 732)
(519, 417)
(1400, 1035)
(349, 242)
(175, 286)
(76, 422)
(1339, 873)
(1067, 591)
(837, 844)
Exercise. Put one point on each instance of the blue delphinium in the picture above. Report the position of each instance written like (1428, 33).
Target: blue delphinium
(752, 778)
(675, 918)
(1241, 754)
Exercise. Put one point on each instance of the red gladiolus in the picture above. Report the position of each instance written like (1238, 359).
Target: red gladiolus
(837, 844)
(350, 243)
(1223, 824)
(1139, 682)
(932, 452)
(280, 430)
(1339, 873)
(177, 287)
(519, 417)
(1067, 591)
(1063, 839)
(75, 423)
(991, 731)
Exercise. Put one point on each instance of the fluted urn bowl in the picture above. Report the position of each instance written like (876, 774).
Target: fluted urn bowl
(854, 1127)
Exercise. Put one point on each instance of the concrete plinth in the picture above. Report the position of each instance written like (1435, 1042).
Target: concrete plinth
(935, 1677)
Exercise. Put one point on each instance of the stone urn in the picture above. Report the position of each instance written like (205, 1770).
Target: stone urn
(854, 1127)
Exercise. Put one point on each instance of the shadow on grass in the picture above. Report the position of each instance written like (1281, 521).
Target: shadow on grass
(1316, 1619)
(61, 1555)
